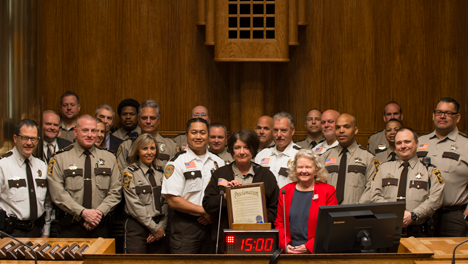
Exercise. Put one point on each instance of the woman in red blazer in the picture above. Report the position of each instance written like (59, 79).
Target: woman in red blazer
(303, 197)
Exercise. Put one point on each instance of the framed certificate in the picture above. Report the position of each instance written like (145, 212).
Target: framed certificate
(246, 205)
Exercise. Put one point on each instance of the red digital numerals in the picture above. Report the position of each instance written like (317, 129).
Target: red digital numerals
(259, 244)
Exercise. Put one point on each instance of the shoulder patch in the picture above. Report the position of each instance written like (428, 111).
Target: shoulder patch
(119, 151)
(178, 154)
(6, 155)
(376, 165)
(50, 168)
(297, 147)
(177, 148)
(436, 173)
(133, 168)
(127, 180)
(169, 171)
(67, 148)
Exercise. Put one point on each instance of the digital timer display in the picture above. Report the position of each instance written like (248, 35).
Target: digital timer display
(250, 242)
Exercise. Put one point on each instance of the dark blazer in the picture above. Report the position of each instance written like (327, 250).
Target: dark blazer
(325, 194)
(114, 143)
(40, 147)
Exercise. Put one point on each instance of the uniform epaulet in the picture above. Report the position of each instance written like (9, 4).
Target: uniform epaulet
(363, 148)
(297, 147)
(177, 155)
(159, 168)
(163, 136)
(320, 141)
(462, 134)
(269, 147)
(430, 165)
(67, 148)
(6, 155)
(133, 168)
(300, 140)
(375, 133)
(215, 154)
(104, 148)
(181, 134)
(425, 134)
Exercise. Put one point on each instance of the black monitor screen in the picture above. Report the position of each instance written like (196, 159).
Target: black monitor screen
(359, 228)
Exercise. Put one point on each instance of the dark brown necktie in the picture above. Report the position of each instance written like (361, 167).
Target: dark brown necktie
(402, 186)
(313, 144)
(156, 190)
(32, 193)
(88, 191)
(393, 154)
(341, 176)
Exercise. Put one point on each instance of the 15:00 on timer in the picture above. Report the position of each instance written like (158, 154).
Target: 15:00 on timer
(251, 242)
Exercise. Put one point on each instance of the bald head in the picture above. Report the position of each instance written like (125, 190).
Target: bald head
(264, 130)
(200, 111)
(86, 131)
(346, 130)
(328, 124)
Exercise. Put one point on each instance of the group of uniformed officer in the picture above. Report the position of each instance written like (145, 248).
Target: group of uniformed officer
(84, 181)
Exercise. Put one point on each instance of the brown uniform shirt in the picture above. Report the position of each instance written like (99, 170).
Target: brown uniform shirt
(139, 199)
(167, 150)
(226, 156)
(306, 143)
(123, 134)
(450, 156)
(65, 176)
(361, 167)
(65, 133)
(377, 142)
(424, 187)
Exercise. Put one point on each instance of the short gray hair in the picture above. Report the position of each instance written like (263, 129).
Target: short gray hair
(52, 112)
(105, 106)
(322, 173)
(149, 103)
(287, 115)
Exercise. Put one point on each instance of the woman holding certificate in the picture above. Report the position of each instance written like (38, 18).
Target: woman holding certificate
(243, 145)
(302, 198)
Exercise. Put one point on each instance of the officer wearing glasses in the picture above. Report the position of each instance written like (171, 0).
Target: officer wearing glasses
(448, 150)
(24, 208)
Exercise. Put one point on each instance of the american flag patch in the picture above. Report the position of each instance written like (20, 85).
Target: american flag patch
(330, 161)
(423, 146)
(222, 182)
(190, 165)
(265, 161)
(184, 146)
(318, 149)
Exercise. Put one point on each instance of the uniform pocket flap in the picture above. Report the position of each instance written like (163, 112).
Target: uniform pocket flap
(103, 171)
(73, 173)
(192, 174)
(419, 185)
(283, 172)
(41, 182)
(164, 156)
(389, 181)
(422, 154)
(17, 183)
(451, 155)
(357, 169)
(143, 189)
(332, 168)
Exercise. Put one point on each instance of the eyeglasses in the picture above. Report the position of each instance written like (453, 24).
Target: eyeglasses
(198, 115)
(25, 139)
(447, 114)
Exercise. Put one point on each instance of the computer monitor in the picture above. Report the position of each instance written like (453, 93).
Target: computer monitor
(359, 228)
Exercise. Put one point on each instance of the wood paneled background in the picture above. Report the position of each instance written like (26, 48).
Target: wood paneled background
(354, 56)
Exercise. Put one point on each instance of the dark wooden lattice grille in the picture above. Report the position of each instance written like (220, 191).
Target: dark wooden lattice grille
(251, 19)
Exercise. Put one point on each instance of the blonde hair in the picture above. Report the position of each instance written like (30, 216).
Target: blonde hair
(322, 173)
(140, 142)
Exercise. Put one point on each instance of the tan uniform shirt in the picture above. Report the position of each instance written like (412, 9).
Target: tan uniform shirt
(272, 144)
(65, 133)
(181, 141)
(167, 150)
(421, 198)
(377, 142)
(244, 179)
(139, 199)
(385, 155)
(65, 176)
(226, 156)
(306, 143)
(123, 134)
(450, 156)
(361, 167)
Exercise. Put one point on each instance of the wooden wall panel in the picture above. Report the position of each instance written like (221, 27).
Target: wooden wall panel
(354, 56)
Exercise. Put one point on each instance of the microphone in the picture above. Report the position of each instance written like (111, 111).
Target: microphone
(283, 192)
(453, 257)
(426, 161)
(35, 256)
(221, 194)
